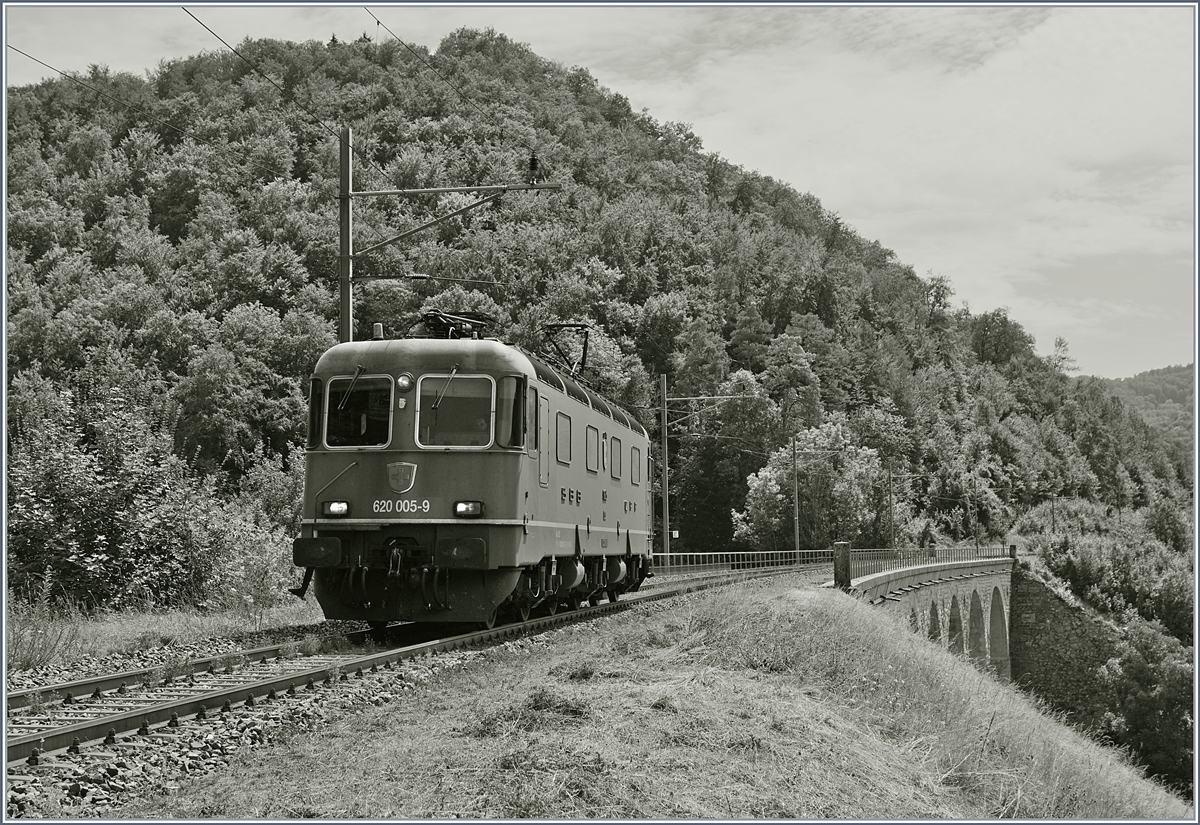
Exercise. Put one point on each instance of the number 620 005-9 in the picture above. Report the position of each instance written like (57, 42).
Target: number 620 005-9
(402, 505)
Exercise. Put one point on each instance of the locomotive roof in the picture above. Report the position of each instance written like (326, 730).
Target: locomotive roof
(469, 354)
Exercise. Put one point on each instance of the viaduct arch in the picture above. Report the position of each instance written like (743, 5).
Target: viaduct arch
(962, 605)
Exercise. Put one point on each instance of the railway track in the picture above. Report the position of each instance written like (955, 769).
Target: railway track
(75, 715)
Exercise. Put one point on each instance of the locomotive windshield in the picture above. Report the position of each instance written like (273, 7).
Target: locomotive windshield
(359, 412)
(454, 411)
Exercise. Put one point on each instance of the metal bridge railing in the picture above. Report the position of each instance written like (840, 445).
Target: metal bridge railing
(738, 560)
(864, 562)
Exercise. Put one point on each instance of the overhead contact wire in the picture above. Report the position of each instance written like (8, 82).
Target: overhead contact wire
(442, 77)
(148, 116)
(316, 118)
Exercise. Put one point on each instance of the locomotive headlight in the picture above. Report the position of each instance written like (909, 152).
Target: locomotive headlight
(468, 509)
(335, 508)
(405, 381)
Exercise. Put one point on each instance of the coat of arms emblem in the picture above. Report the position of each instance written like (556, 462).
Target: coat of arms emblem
(402, 476)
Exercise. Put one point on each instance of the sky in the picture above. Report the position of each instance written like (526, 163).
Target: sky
(1042, 159)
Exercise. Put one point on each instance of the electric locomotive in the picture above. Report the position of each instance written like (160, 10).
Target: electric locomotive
(456, 478)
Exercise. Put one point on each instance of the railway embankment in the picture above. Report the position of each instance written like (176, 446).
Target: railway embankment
(772, 699)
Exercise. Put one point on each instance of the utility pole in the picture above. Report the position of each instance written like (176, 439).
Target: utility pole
(666, 494)
(891, 511)
(346, 241)
(795, 502)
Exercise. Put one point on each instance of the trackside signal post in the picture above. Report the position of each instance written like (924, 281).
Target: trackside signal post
(346, 253)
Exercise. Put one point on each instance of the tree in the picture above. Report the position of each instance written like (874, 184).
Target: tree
(701, 364)
(750, 339)
(663, 318)
(791, 382)
(842, 494)
(830, 360)
(1152, 678)
(997, 339)
(726, 440)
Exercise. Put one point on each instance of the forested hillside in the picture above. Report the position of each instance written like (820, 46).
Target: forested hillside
(1164, 399)
(172, 278)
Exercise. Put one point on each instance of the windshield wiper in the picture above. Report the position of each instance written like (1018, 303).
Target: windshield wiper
(437, 402)
(357, 372)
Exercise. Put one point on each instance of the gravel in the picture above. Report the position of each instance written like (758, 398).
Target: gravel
(101, 778)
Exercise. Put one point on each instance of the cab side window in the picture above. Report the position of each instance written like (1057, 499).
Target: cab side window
(592, 443)
(359, 412)
(510, 411)
(563, 445)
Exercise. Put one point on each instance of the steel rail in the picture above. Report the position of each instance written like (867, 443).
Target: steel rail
(88, 686)
(156, 716)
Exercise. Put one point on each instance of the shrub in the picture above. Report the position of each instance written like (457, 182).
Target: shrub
(99, 504)
(40, 629)
(1066, 515)
(1151, 677)
(1118, 573)
(252, 561)
(1169, 523)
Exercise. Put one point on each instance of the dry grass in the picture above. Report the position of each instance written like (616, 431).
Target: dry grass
(755, 702)
(39, 634)
(966, 729)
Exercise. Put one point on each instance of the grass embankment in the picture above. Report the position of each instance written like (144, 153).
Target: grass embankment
(761, 701)
(38, 634)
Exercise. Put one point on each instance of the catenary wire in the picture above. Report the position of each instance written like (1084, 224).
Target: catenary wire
(442, 77)
(148, 116)
(267, 78)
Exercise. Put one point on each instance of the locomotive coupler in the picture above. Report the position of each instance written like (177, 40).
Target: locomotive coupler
(303, 588)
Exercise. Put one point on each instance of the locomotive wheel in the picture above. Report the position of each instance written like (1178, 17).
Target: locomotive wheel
(522, 611)
(613, 593)
(490, 621)
(574, 600)
(550, 606)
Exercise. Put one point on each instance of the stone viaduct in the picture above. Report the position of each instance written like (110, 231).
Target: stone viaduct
(963, 605)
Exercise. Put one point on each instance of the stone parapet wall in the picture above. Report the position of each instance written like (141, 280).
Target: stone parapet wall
(878, 585)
